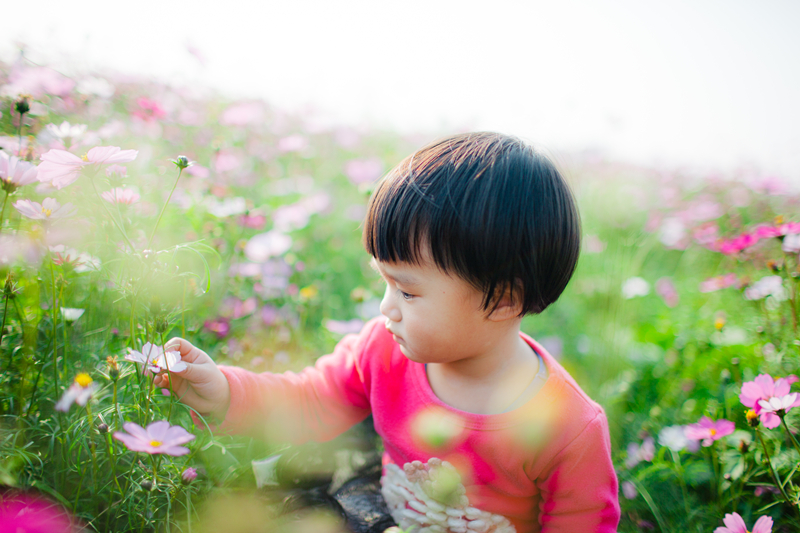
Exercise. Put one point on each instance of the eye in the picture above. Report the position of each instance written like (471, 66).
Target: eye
(405, 295)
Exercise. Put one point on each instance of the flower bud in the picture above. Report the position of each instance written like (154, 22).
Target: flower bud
(182, 162)
(188, 475)
(146, 485)
(743, 446)
(752, 418)
(161, 324)
(113, 367)
(102, 428)
(22, 106)
(9, 288)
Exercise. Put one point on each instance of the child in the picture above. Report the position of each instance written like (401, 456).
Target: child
(483, 430)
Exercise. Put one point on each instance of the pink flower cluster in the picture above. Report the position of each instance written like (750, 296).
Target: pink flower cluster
(766, 395)
(746, 240)
(709, 430)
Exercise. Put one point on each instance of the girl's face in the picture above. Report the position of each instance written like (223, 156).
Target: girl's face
(435, 318)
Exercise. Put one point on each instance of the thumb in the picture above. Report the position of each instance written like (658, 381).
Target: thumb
(198, 373)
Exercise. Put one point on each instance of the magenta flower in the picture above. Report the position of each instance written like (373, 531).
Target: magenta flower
(189, 475)
(158, 437)
(15, 173)
(154, 358)
(120, 195)
(735, 524)
(709, 430)
(49, 209)
(61, 168)
(764, 388)
(737, 244)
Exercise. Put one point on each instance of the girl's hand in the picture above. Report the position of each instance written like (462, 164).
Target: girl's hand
(201, 385)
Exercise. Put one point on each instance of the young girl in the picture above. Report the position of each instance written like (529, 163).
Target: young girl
(483, 430)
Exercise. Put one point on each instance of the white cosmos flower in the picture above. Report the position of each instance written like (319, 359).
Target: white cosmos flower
(70, 314)
(156, 359)
(776, 403)
(634, 287)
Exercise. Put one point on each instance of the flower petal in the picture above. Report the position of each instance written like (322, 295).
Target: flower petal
(735, 523)
(763, 525)
(136, 430)
(158, 430)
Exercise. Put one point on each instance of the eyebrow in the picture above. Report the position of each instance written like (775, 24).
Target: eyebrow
(403, 279)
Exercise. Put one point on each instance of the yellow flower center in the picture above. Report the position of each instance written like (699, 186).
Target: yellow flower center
(85, 157)
(155, 443)
(47, 212)
(713, 431)
(83, 380)
(750, 415)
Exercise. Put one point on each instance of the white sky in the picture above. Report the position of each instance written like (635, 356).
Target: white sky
(679, 82)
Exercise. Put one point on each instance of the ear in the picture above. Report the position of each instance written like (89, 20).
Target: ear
(508, 306)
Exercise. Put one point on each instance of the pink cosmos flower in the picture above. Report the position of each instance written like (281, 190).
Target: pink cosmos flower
(737, 244)
(189, 475)
(637, 453)
(220, 327)
(158, 437)
(15, 173)
(148, 109)
(79, 392)
(776, 404)
(156, 359)
(666, 289)
(61, 168)
(120, 195)
(790, 228)
(719, 282)
(49, 209)
(735, 524)
(363, 170)
(709, 430)
(32, 514)
(764, 388)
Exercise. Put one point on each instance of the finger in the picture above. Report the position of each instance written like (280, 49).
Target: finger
(197, 373)
(179, 344)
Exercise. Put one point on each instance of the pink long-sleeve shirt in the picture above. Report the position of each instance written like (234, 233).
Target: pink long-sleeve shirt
(545, 466)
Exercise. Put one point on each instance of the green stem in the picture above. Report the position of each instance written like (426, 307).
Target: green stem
(679, 467)
(64, 329)
(791, 435)
(717, 480)
(91, 441)
(54, 314)
(171, 392)
(112, 458)
(121, 230)
(775, 477)
(2, 330)
(3, 212)
(152, 235)
(189, 510)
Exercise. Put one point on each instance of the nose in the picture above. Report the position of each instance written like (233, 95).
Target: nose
(389, 308)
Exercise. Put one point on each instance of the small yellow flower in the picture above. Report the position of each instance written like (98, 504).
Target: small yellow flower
(307, 293)
(83, 379)
(752, 418)
(778, 220)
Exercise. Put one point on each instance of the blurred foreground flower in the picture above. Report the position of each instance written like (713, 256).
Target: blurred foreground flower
(220, 327)
(766, 286)
(61, 168)
(778, 405)
(71, 314)
(29, 514)
(49, 209)
(158, 437)
(120, 195)
(637, 453)
(15, 173)
(634, 287)
(79, 392)
(735, 524)
(709, 430)
(629, 490)
(154, 358)
(719, 282)
(764, 388)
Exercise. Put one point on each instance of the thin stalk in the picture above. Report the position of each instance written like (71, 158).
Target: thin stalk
(113, 459)
(55, 328)
(91, 442)
(775, 477)
(791, 435)
(717, 480)
(2, 330)
(64, 328)
(679, 467)
(189, 510)
(3, 212)
(80, 483)
(121, 230)
(152, 235)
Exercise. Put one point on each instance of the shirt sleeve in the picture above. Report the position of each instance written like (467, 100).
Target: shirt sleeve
(579, 491)
(317, 404)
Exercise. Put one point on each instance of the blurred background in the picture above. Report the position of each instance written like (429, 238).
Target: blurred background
(710, 85)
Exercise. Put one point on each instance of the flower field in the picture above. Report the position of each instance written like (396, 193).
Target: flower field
(134, 212)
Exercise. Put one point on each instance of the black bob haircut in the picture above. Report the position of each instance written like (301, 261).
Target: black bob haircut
(489, 209)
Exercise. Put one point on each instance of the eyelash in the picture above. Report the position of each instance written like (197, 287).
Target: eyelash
(405, 295)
